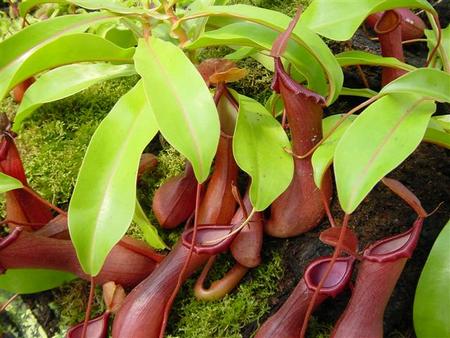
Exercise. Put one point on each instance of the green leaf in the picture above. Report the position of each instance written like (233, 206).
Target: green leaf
(103, 200)
(354, 57)
(380, 138)
(150, 232)
(361, 92)
(431, 83)
(16, 49)
(225, 15)
(259, 144)
(431, 311)
(65, 81)
(323, 155)
(445, 44)
(26, 281)
(339, 19)
(111, 6)
(260, 37)
(437, 133)
(64, 50)
(8, 183)
(181, 102)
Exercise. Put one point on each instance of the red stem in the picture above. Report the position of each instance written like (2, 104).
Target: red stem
(88, 309)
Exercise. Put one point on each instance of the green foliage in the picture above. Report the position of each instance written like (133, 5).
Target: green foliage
(183, 106)
(365, 154)
(227, 317)
(25, 281)
(339, 20)
(65, 81)
(103, 201)
(8, 183)
(433, 291)
(22, 54)
(259, 145)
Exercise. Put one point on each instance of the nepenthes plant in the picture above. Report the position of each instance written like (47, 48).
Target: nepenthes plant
(252, 168)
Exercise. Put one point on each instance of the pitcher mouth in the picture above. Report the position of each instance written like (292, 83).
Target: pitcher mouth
(388, 22)
(395, 247)
(337, 279)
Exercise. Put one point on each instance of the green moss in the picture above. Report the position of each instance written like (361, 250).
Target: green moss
(71, 301)
(229, 316)
(53, 142)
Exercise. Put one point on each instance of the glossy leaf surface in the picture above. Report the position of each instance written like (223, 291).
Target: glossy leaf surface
(431, 311)
(365, 153)
(183, 106)
(8, 183)
(339, 19)
(16, 49)
(149, 231)
(431, 83)
(65, 81)
(26, 281)
(364, 58)
(259, 144)
(103, 201)
(323, 156)
(224, 15)
(64, 50)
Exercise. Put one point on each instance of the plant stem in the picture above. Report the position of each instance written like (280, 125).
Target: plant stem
(9, 301)
(89, 307)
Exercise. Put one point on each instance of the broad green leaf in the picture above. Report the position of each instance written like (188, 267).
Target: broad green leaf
(103, 201)
(64, 50)
(111, 6)
(361, 92)
(379, 139)
(65, 81)
(445, 43)
(437, 133)
(26, 281)
(259, 144)
(224, 15)
(16, 49)
(149, 231)
(354, 57)
(431, 310)
(8, 183)
(182, 104)
(260, 37)
(323, 155)
(339, 19)
(431, 83)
